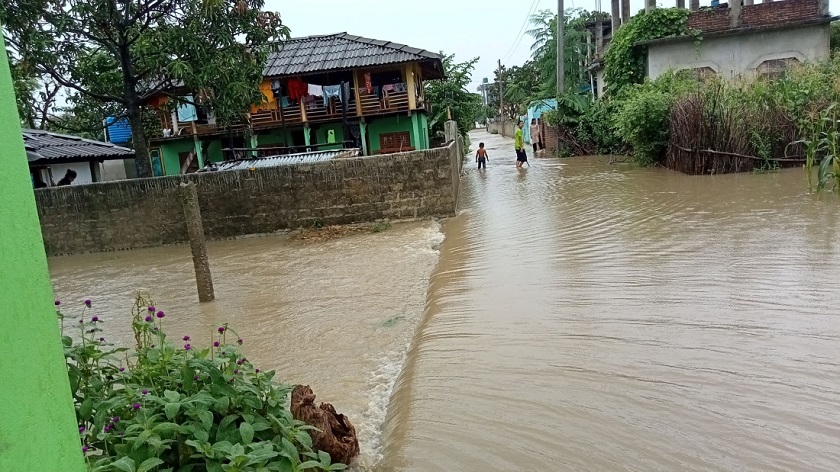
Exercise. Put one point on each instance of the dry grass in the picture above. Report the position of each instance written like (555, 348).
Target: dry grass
(328, 233)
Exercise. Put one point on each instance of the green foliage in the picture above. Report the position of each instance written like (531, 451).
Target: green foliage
(822, 150)
(624, 61)
(642, 118)
(162, 407)
(597, 127)
(116, 55)
(452, 93)
(834, 39)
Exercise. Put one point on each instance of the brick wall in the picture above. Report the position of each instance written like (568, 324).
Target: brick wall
(141, 213)
(760, 14)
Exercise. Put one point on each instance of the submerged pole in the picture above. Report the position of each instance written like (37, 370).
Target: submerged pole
(195, 231)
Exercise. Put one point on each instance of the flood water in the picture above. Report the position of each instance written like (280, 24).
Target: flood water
(579, 315)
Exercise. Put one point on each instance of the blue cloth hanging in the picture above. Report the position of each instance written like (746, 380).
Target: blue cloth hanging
(331, 91)
(186, 111)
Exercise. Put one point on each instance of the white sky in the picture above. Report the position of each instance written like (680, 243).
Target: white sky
(488, 29)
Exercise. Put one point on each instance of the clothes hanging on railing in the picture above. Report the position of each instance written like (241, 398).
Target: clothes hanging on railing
(368, 83)
(297, 89)
(331, 136)
(285, 102)
(315, 90)
(331, 91)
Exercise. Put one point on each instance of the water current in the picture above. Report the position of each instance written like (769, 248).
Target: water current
(580, 314)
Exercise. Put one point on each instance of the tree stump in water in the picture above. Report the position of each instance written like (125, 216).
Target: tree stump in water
(334, 435)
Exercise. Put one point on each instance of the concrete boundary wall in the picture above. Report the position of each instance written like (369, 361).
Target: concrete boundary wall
(508, 130)
(140, 213)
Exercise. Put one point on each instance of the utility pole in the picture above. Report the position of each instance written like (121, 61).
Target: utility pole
(501, 100)
(560, 46)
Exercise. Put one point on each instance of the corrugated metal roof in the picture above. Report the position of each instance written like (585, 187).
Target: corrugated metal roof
(45, 147)
(313, 54)
(285, 160)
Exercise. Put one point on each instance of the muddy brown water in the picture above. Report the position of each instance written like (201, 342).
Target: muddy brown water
(578, 315)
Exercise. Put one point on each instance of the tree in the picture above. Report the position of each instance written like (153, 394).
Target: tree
(544, 48)
(112, 56)
(451, 93)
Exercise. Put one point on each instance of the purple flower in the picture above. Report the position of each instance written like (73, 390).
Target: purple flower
(136, 406)
(107, 429)
(195, 377)
(116, 419)
(155, 330)
(81, 321)
(223, 353)
(88, 302)
(94, 319)
(84, 449)
(145, 392)
(257, 371)
(152, 309)
(161, 314)
(216, 344)
(239, 362)
(102, 340)
(81, 429)
(221, 329)
(122, 369)
(240, 341)
(57, 302)
(187, 347)
(186, 338)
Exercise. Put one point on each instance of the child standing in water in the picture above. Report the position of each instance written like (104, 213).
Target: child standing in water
(481, 156)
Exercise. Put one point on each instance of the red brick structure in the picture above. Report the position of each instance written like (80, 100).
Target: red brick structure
(755, 16)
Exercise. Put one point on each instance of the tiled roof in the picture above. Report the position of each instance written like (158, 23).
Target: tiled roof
(285, 160)
(44, 147)
(342, 51)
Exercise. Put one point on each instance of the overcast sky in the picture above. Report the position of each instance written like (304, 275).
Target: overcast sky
(488, 29)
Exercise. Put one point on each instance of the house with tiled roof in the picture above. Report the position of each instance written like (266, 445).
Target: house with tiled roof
(321, 93)
(51, 155)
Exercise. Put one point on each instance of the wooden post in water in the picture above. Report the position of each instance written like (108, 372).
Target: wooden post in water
(195, 231)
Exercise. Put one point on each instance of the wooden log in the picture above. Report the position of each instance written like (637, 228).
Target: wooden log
(334, 435)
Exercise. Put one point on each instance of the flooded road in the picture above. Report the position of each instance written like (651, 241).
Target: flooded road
(337, 315)
(578, 315)
(588, 316)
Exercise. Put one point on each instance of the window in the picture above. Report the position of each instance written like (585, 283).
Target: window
(189, 162)
(395, 141)
(776, 68)
(702, 74)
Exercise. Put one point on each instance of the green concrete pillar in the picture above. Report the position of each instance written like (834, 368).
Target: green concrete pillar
(38, 430)
(306, 138)
(415, 131)
(255, 143)
(363, 130)
(199, 152)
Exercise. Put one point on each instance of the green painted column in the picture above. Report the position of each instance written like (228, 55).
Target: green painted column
(38, 430)
(199, 152)
(415, 132)
(255, 142)
(306, 138)
(363, 130)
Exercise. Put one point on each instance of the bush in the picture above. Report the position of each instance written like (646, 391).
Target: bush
(643, 122)
(597, 127)
(186, 408)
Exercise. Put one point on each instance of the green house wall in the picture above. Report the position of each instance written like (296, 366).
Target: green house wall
(38, 430)
(393, 124)
(170, 150)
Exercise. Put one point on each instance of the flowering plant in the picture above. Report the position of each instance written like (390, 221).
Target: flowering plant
(163, 407)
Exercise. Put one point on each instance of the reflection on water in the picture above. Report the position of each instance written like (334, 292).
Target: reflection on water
(587, 316)
(336, 315)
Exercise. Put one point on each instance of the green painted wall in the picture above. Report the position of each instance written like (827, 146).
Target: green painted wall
(275, 136)
(321, 135)
(214, 150)
(170, 150)
(38, 430)
(424, 129)
(389, 124)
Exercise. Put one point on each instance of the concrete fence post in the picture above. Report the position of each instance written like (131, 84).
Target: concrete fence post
(450, 130)
(735, 14)
(198, 245)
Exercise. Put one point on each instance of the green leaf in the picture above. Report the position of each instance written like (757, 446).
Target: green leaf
(149, 464)
(324, 457)
(247, 432)
(308, 465)
(206, 418)
(171, 410)
(86, 409)
(126, 464)
(172, 396)
(187, 378)
(337, 466)
(304, 439)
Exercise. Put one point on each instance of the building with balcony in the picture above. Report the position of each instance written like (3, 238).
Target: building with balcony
(320, 93)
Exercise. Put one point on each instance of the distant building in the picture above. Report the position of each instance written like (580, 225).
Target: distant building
(51, 155)
(747, 41)
(321, 93)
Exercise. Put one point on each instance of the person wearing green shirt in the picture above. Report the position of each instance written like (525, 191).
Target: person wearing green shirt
(519, 142)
